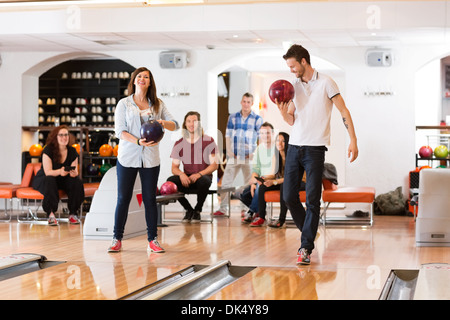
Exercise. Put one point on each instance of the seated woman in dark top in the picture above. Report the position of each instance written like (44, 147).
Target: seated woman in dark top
(59, 172)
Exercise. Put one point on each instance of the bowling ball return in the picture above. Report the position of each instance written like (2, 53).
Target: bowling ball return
(18, 264)
(99, 221)
(196, 282)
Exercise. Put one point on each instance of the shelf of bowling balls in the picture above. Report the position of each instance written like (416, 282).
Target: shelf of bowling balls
(96, 165)
(88, 155)
(89, 125)
(51, 126)
(418, 157)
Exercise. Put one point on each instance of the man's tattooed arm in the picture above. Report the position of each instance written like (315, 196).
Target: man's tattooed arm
(345, 122)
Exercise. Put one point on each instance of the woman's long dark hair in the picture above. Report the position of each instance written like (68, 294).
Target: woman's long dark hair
(151, 92)
(280, 165)
(52, 141)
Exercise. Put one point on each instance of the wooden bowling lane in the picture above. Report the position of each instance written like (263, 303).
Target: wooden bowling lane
(302, 283)
(84, 281)
(348, 263)
(432, 282)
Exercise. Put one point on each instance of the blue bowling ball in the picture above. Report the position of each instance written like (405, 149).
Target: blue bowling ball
(93, 169)
(152, 130)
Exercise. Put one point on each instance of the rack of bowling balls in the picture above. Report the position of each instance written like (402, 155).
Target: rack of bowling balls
(99, 163)
(439, 152)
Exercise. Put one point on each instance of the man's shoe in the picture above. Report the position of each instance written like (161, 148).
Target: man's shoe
(258, 222)
(154, 246)
(187, 217)
(303, 257)
(115, 246)
(196, 217)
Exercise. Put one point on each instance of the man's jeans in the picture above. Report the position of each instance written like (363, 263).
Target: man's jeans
(298, 160)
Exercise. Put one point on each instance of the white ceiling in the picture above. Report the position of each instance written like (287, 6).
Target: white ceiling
(239, 39)
(329, 33)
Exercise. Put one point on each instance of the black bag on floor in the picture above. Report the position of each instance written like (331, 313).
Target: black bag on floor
(391, 203)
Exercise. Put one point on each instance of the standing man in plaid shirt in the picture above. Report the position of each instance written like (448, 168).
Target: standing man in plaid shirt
(241, 138)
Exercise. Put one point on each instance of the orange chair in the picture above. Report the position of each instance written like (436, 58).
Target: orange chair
(9, 191)
(333, 193)
(6, 194)
(26, 192)
(90, 188)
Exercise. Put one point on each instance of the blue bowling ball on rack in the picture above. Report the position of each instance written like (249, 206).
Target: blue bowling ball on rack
(92, 169)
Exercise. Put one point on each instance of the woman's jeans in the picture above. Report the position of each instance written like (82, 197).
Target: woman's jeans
(126, 178)
(300, 159)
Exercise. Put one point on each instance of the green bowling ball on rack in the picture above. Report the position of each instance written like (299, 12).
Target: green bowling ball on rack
(441, 151)
(104, 168)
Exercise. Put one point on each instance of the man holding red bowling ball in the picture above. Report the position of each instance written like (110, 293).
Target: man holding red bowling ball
(137, 155)
(309, 114)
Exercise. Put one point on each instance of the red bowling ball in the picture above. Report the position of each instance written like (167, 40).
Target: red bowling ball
(282, 91)
(152, 130)
(425, 152)
(168, 187)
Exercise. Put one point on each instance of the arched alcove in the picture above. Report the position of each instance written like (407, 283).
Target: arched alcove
(30, 79)
(77, 89)
(432, 105)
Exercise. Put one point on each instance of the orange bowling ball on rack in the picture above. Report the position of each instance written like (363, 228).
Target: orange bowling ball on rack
(77, 147)
(105, 150)
(36, 150)
(116, 150)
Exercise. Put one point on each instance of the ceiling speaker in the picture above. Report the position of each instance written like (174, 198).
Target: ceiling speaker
(379, 58)
(173, 59)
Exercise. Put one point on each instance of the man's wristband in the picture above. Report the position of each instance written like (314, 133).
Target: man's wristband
(137, 141)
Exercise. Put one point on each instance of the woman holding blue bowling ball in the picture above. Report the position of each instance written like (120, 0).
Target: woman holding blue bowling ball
(137, 155)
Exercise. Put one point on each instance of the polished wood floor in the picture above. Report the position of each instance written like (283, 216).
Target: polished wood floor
(348, 262)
